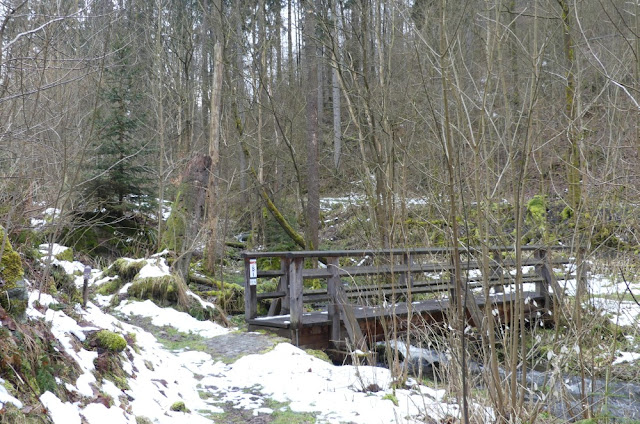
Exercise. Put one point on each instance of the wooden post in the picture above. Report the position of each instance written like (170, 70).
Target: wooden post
(280, 305)
(296, 303)
(285, 265)
(406, 277)
(85, 285)
(542, 287)
(250, 294)
(333, 284)
(543, 268)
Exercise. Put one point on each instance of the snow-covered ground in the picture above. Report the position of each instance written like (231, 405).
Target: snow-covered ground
(158, 377)
(286, 376)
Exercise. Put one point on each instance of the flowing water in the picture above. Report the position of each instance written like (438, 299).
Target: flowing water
(561, 397)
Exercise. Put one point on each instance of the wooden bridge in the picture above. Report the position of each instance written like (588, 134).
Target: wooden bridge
(353, 294)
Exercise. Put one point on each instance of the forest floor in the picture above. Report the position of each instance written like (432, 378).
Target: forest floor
(178, 369)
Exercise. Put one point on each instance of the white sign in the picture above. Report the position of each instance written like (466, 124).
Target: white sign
(253, 272)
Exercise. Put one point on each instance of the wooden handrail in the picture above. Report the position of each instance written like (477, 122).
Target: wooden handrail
(292, 272)
(388, 252)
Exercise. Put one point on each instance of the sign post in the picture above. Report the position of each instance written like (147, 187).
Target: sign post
(253, 272)
(85, 285)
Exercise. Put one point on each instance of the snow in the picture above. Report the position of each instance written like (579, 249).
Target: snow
(97, 413)
(70, 267)
(158, 377)
(153, 269)
(55, 248)
(335, 393)
(169, 316)
(48, 216)
(5, 397)
(60, 412)
(626, 357)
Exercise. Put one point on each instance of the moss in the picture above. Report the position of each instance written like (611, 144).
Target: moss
(537, 209)
(179, 407)
(119, 381)
(282, 414)
(126, 269)
(45, 376)
(175, 227)
(230, 297)
(320, 354)
(392, 397)
(162, 290)
(268, 264)
(110, 341)
(143, 420)
(110, 287)
(567, 213)
(11, 414)
(64, 283)
(65, 255)
(10, 264)
(173, 339)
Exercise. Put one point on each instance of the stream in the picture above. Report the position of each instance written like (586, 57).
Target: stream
(561, 398)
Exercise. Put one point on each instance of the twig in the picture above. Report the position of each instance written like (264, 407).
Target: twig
(628, 287)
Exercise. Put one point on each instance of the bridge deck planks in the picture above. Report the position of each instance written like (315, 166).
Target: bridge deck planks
(425, 307)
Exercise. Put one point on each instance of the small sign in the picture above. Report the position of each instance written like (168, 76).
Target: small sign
(253, 272)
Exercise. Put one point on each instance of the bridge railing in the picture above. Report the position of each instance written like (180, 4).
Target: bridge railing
(407, 272)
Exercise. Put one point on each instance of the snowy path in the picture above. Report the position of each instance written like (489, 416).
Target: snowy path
(256, 386)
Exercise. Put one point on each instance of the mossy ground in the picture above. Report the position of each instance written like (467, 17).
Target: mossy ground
(165, 291)
(126, 268)
(31, 361)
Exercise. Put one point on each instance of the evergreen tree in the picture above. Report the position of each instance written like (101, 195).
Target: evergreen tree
(120, 150)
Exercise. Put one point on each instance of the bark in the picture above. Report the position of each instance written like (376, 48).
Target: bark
(188, 212)
(335, 89)
(313, 194)
(214, 153)
(573, 163)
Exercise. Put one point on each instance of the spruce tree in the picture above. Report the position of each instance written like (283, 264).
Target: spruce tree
(119, 170)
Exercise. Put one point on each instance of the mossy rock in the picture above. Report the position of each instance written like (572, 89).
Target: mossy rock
(537, 209)
(126, 269)
(179, 407)
(15, 300)
(110, 287)
(164, 291)
(10, 264)
(110, 341)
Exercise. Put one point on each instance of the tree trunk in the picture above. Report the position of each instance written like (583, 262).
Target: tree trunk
(335, 94)
(313, 194)
(214, 153)
(573, 163)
